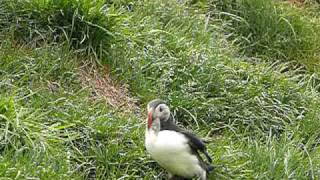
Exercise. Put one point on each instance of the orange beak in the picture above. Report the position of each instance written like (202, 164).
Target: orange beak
(149, 119)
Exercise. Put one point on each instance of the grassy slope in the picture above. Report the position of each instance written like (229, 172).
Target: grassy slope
(263, 123)
(272, 30)
(51, 129)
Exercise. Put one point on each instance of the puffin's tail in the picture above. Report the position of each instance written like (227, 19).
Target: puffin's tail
(208, 166)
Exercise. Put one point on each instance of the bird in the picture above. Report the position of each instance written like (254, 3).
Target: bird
(173, 148)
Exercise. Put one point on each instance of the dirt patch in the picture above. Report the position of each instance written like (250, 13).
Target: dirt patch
(104, 87)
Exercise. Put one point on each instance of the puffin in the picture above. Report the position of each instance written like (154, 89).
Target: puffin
(173, 148)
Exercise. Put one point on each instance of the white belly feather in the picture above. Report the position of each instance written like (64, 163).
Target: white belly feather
(171, 151)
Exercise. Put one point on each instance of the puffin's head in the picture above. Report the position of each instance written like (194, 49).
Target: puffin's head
(157, 111)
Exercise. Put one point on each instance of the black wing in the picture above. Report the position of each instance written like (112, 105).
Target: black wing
(194, 142)
(197, 144)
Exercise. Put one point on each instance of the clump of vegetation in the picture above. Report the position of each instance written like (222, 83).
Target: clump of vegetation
(51, 129)
(204, 86)
(261, 120)
(272, 30)
(85, 25)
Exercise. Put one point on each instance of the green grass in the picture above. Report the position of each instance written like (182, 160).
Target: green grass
(54, 132)
(271, 30)
(83, 25)
(262, 118)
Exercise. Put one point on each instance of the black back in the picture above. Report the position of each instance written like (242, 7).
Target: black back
(194, 142)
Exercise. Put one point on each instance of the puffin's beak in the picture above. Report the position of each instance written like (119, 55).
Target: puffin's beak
(149, 119)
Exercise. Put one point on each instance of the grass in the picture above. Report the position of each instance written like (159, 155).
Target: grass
(272, 30)
(50, 127)
(261, 117)
(83, 25)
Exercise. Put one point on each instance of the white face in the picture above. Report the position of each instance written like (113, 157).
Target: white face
(157, 111)
(162, 112)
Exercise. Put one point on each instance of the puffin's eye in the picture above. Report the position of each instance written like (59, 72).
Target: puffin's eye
(160, 109)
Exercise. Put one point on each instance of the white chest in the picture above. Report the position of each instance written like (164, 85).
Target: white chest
(171, 151)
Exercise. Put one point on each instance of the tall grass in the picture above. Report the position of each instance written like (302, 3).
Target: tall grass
(51, 129)
(192, 69)
(84, 25)
(272, 30)
(261, 122)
